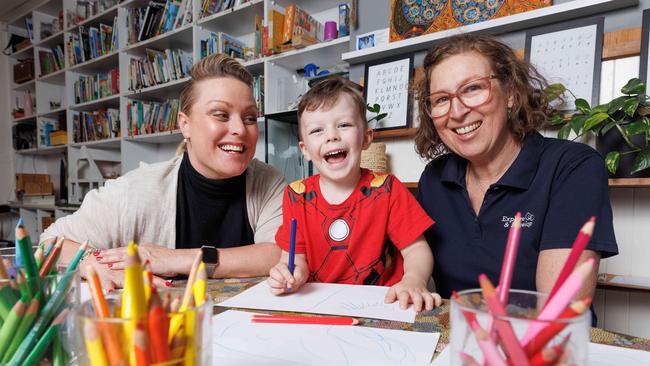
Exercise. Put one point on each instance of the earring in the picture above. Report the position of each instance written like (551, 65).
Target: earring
(185, 140)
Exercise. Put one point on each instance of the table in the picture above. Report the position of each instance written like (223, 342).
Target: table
(436, 320)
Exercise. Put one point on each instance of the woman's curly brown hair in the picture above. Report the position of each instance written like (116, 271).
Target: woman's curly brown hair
(520, 79)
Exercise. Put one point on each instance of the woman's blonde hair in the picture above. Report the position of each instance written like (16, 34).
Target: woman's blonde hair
(213, 66)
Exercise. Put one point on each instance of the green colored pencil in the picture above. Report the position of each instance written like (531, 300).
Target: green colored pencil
(52, 331)
(11, 323)
(8, 297)
(24, 246)
(23, 328)
(58, 356)
(23, 286)
(49, 310)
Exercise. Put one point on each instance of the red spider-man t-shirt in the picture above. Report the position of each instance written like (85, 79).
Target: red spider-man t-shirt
(357, 241)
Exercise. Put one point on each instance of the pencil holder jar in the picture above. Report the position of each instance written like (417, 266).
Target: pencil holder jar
(33, 313)
(517, 336)
(160, 337)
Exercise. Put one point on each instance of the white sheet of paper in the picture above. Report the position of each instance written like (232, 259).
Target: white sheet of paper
(325, 298)
(599, 355)
(603, 355)
(631, 280)
(236, 341)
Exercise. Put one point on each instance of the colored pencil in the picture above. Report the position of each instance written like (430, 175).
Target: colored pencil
(48, 312)
(292, 245)
(147, 280)
(556, 305)
(579, 245)
(508, 337)
(200, 285)
(297, 319)
(44, 342)
(158, 328)
(488, 347)
(509, 259)
(51, 259)
(12, 322)
(8, 297)
(468, 360)
(94, 345)
(141, 344)
(24, 251)
(25, 324)
(177, 320)
(551, 355)
(545, 335)
(178, 343)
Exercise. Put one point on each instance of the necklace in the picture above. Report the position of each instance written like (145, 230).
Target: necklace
(470, 173)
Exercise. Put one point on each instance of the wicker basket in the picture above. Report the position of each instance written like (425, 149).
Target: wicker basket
(374, 158)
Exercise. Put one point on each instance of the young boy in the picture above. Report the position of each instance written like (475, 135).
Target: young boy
(353, 226)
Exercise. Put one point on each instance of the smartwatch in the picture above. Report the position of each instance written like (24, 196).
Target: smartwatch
(210, 256)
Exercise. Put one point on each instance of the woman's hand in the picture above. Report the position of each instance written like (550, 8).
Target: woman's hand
(109, 278)
(412, 290)
(162, 259)
(281, 280)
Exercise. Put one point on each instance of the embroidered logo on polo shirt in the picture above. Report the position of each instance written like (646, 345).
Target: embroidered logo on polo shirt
(526, 220)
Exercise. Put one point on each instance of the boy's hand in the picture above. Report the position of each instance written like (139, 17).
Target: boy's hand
(415, 291)
(280, 279)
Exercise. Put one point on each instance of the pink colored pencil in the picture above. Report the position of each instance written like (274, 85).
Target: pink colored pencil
(468, 360)
(556, 305)
(508, 337)
(579, 245)
(509, 258)
(489, 348)
(297, 319)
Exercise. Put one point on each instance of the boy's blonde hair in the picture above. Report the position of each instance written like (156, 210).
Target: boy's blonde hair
(326, 93)
(213, 66)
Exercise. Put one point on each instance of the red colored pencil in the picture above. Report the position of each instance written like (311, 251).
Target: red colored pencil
(544, 336)
(297, 319)
(509, 258)
(579, 245)
(508, 337)
(551, 355)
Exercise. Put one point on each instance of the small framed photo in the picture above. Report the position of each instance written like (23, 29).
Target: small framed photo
(387, 84)
(645, 49)
(372, 39)
(569, 53)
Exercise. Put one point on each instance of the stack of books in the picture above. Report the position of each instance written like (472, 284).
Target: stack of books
(210, 7)
(221, 42)
(158, 67)
(151, 117)
(92, 42)
(51, 60)
(93, 126)
(93, 87)
(157, 18)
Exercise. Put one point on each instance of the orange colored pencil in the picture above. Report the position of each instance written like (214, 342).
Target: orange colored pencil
(51, 258)
(544, 336)
(158, 329)
(178, 343)
(141, 344)
(508, 337)
(109, 339)
(286, 319)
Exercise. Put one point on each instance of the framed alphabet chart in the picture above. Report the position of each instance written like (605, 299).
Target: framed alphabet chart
(645, 48)
(387, 84)
(569, 53)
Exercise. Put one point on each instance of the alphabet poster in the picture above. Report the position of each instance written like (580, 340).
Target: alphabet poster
(387, 84)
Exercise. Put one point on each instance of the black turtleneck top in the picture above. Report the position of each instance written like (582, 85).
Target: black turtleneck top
(210, 211)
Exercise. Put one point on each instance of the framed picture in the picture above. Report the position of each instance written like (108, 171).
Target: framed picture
(569, 53)
(387, 84)
(372, 39)
(645, 49)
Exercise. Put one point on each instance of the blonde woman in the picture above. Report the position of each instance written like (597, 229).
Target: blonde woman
(213, 197)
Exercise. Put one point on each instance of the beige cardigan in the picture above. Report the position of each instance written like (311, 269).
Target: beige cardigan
(141, 206)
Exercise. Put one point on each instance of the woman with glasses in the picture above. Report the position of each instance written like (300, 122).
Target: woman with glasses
(480, 109)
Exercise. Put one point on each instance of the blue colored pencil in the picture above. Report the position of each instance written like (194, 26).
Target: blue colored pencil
(292, 245)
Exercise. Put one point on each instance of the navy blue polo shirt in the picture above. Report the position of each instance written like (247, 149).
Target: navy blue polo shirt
(555, 184)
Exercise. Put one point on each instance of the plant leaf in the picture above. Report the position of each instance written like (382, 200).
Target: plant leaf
(616, 104)
(582, 105)
(577, 123)
(564, 132)
(556, 119)
(637, 127)
(381, 116)
(554, 91)
(642, 161)
(611, 161)
(601, 108)
(594, 120)
(630, 106)
(634, 86)
(608, 127)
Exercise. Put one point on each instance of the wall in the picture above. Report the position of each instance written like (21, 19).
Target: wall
(618, 310)
(6, 150)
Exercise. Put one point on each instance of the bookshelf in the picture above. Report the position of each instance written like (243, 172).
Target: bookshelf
(56, 106)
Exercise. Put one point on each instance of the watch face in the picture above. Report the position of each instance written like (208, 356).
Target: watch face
(210, 255)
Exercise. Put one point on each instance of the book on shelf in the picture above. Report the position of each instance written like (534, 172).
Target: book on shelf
(92, 87)
(221, 42)
(50, 60)
(151, 117)
(210, 7)
(158, 17)
(300, 29)
(158, 67)
(274, 30)
(258, 94)
(94, 126)
(45, 200)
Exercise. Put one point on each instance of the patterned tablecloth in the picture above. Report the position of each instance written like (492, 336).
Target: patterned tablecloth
(436, 320)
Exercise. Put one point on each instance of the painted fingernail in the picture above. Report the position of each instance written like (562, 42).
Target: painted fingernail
(110, 291)
(99, 258)
(110, 265)
(168, 283)
(95, 254)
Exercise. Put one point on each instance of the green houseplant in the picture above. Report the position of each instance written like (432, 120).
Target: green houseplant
(625, 119)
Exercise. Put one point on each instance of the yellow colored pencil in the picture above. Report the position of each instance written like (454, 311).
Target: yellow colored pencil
(200, 285)
(94, 344)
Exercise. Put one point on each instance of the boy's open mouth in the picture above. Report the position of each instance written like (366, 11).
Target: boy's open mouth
(336, 156)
